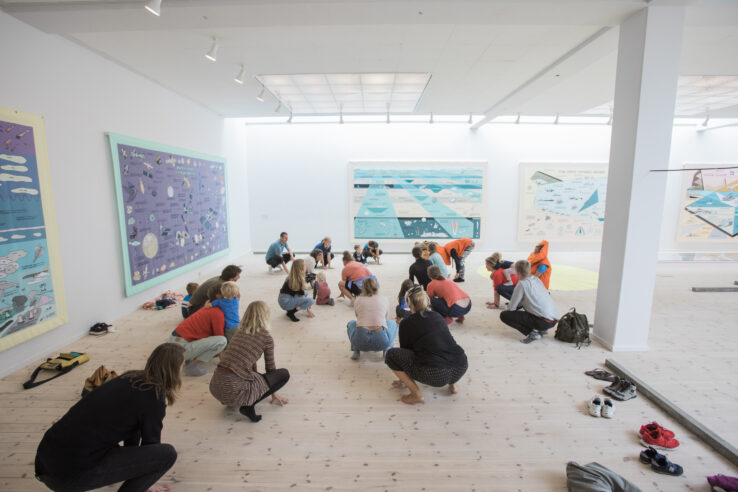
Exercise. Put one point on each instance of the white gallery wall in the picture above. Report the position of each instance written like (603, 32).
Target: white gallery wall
(299, 182)
(81, 95)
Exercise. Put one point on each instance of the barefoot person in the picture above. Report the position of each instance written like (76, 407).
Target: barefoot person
(373, 330)
(293, 295)
(81, 452)
(235, 382)
(352, 277)
(503, 278)
(428, 353)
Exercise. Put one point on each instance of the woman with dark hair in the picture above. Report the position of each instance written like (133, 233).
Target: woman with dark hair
(81, 450)
(428, 353)
(235, 382)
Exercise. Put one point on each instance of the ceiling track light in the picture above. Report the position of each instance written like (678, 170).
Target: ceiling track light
(340, 114)
(517, 120)
(707, 120)
(556, 120)
(279, 104)
(154, 6)
(212, 54)
(260, 96)
(289, 120)
(431, 119)
(239, 77)
(388, 114)
(470, 119)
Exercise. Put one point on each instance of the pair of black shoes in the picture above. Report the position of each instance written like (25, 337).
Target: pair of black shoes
(460, 279)
(291, 315)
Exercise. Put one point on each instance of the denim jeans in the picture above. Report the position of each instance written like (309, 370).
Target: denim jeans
(459, 261)
(439, 305)
(138, 467)
(288, 303)
(366, 340)
(505, 291)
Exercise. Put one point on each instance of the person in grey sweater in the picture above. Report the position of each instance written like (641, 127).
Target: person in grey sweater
(531, 310)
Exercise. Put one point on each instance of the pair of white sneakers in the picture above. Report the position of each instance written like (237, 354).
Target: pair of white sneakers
(599, 407)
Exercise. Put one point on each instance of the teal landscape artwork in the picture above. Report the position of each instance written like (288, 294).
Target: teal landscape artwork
(417, 200)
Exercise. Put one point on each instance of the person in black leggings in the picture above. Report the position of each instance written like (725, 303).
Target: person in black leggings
(81, 450)
(428, 353)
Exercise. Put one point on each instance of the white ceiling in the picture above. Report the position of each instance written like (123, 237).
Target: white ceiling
(479, 52)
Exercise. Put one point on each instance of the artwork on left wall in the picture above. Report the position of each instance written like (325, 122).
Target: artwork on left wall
(172, 209)
(31, 289)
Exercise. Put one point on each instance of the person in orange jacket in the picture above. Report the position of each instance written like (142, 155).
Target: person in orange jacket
(539, 264)
(458, 250)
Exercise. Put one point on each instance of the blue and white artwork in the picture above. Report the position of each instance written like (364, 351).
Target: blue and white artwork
(565, 202)
(710, 204)
(417, 201)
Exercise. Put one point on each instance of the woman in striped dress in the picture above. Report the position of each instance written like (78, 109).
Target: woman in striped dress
(235, 382)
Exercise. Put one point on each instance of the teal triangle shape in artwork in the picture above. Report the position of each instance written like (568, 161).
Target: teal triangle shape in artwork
(710, 200)
(592, 200)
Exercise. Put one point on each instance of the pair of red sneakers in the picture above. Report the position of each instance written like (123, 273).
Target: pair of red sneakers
(654, 435)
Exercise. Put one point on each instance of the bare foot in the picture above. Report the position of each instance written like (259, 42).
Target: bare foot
(412, 399)
(310, 313)
(453, 389)
(159, 487)
(397, 384)
(279, 400)
(492, 305)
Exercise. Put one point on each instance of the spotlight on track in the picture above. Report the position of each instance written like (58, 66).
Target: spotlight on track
(212, 54)
(260, 96)
(239, 77)
(154, 6)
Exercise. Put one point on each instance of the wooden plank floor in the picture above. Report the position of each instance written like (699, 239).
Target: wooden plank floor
(519, 417)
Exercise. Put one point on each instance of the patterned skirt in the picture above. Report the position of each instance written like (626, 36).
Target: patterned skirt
(234, 391)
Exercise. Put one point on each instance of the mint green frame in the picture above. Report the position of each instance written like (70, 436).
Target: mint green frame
(114, 139)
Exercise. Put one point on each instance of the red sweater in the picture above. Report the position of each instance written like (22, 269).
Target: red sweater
(447, 290)
(206, 322)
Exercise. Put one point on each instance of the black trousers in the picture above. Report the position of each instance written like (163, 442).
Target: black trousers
(277, 260)
(525, 322)
(138, 467)
(275, 379)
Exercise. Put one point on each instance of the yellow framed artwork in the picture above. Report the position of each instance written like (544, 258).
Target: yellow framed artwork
(32, 298)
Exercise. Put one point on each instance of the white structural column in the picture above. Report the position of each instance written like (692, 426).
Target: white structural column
(645, 92)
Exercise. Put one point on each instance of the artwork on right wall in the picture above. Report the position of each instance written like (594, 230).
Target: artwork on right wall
(562, 202)
(709, 203)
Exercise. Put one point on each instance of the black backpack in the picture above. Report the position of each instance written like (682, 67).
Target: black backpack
(573, 327)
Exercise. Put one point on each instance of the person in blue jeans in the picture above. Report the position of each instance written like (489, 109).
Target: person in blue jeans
(293, 294)
(372, 330)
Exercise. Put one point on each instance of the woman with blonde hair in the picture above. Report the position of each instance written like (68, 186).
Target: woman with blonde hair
(81, 452)
(293, 294)
(236, 382)
(428, 353)
(373, 330)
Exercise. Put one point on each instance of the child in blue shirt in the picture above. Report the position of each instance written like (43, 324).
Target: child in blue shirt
(228, 303)
(191, 288)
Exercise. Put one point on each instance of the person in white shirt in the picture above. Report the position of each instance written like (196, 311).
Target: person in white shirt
(373, 329)
(531, 310)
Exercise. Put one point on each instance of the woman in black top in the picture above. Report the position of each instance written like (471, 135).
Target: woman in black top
(81, 450)
(419, 269)
(292, 295)
(428, 353)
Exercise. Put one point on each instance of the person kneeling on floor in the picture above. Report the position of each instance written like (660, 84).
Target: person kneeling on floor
(531, 311)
